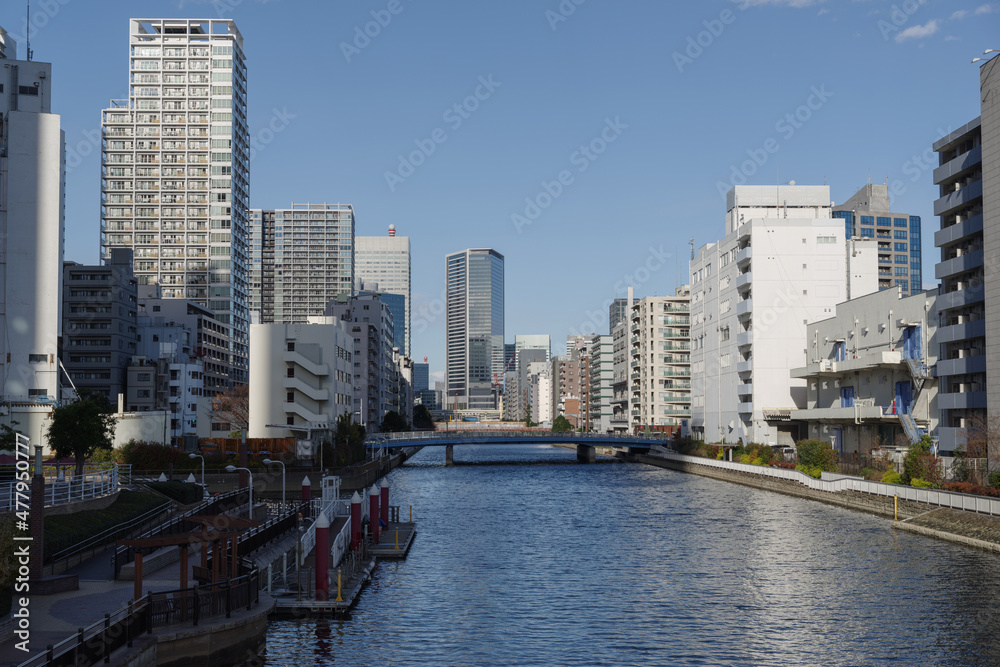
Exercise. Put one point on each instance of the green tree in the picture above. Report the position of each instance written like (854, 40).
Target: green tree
(8, 435)
(527, 420)
(77, 429)
(422, 418)
(349, 440)
(814, 453)
(393, 422)
(561, 425)
(919, 463)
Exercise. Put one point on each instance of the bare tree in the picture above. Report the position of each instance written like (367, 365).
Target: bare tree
(233, 407)
(983, 441)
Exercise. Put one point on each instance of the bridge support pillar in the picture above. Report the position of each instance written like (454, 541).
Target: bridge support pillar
(449, 455)
(585, 454)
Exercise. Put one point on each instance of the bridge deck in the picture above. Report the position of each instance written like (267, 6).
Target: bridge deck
(501, 438)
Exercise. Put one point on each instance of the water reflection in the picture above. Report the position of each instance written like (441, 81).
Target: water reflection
(534, 559)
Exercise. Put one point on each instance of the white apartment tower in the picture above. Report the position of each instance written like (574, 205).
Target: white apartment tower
(32, 164)
(782, 263)
(301, 258)
(175, 183)
(385, 260)
(660, 365)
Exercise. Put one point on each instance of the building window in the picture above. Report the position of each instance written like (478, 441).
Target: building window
(884, 222)
(867, 233)
(900, 234)
(290, 421)
(291, 346)
(290, 372)
(37, 358)
(867, 220)
(290, 397)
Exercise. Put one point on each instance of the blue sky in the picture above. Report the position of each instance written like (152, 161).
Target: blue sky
(618, 120)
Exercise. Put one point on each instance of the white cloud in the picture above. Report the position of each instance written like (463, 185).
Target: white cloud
(985, 9)
(960, 14)
(823, 11)
(918, 31)
(952, 38)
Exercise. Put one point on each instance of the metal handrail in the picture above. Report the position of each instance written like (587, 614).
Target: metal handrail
(124, 526)
(97, 641)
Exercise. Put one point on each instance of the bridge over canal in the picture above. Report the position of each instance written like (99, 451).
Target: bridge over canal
(585, 442)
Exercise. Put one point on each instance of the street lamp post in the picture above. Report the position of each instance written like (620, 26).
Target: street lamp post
(192, 455)
(231, 468)
(268, 462)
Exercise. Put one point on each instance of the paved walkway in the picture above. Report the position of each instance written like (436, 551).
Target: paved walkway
(56, 617)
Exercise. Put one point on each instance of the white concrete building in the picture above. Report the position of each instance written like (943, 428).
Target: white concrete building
(782, 264)
(868, 378)
(660, 362)
(540, 391)
(601, 377)
(32, 169)
(175, 185)
(302, 378)
(385, 260)
(621, 382)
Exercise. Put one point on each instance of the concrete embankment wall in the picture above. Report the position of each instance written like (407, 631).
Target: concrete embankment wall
(969, 528)
(862, 502)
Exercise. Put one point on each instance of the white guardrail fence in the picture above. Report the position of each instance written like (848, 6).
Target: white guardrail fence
(961, 501)
(65, 489)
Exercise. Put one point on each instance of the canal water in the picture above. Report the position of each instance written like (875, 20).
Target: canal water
(525, 557)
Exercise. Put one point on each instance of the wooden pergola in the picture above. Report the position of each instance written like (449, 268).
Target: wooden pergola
(216, 531)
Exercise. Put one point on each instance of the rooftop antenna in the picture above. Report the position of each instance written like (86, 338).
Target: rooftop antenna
(27, 31)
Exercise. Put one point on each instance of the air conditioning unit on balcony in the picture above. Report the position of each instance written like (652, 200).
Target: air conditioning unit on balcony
(826, 365)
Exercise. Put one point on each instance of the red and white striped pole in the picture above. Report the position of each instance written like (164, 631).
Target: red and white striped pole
(322, 557)
(355, 520)
(373, 514)
(384, 502)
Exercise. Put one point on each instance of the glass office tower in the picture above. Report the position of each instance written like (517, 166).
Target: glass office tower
(474, 352)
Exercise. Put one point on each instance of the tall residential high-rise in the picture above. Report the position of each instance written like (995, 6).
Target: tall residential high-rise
(386, 260)
(661, 362)
(474, 316)
(968, 206)
(782, 263)
(301, 258)
(31, 240)
(175, 185)
(621, 383)
(867, 215)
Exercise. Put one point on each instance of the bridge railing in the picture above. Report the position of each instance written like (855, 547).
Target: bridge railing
(386, 438)
(963, 501)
